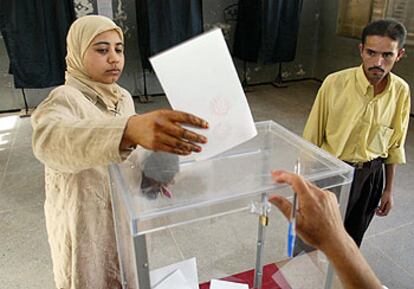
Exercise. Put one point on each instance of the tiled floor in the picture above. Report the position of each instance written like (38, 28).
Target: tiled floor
(24, 251)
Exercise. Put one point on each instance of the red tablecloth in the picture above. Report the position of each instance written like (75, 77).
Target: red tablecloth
(247, 277)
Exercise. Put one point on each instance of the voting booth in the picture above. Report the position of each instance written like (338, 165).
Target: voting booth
(209, 223)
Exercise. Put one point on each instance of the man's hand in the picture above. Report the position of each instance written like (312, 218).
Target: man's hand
(160, 130)
(386, 204)
(318, 220)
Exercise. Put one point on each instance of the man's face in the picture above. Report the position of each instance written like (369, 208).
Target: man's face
(379, 54)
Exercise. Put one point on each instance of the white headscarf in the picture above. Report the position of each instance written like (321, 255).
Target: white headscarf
(80, 36)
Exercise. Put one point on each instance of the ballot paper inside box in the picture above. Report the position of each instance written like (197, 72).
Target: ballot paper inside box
(217, 215)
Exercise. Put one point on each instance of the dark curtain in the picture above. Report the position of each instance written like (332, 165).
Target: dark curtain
(34, 33)
(267, 30)
(162, 24)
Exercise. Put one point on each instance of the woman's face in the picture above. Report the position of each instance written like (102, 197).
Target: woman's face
(104, 58)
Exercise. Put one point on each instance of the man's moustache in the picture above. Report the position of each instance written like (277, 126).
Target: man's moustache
(376, 67)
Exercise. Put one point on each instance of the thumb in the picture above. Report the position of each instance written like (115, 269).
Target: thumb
(282, 204)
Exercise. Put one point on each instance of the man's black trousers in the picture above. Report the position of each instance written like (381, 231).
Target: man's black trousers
(364, 197)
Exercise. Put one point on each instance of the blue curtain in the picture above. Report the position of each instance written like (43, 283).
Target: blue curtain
(162, 24)
(267, 30)
(34, 33)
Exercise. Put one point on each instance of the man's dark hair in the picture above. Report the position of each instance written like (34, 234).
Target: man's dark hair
(386, 27)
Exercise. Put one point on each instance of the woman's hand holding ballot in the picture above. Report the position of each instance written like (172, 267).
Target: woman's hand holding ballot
(161, 130)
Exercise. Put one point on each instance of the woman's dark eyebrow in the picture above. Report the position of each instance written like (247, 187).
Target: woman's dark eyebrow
(107, 43)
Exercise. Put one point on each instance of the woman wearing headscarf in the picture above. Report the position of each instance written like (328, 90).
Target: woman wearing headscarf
(79, 129)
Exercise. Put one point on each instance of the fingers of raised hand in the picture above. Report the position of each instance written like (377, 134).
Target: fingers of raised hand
(298, 183)
(282, 204)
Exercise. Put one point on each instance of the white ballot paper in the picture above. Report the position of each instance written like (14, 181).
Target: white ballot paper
(175, 280)
(199, 77)
(218, 284)
(300, 272)
(188, 269)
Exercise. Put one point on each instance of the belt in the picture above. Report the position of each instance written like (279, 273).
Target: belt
(364, 165)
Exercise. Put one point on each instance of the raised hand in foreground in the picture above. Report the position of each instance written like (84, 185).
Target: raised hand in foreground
(319, 223)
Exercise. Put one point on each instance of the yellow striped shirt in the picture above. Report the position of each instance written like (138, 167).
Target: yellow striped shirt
(350, 123)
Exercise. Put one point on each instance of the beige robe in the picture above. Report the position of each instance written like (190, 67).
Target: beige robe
(76, 135)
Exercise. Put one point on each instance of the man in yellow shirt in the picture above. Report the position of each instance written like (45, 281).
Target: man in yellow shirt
(361, 116)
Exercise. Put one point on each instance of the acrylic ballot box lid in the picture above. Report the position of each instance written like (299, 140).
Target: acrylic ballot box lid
(230, 182)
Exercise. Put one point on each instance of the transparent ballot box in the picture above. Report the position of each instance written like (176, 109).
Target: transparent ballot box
(181, 223)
